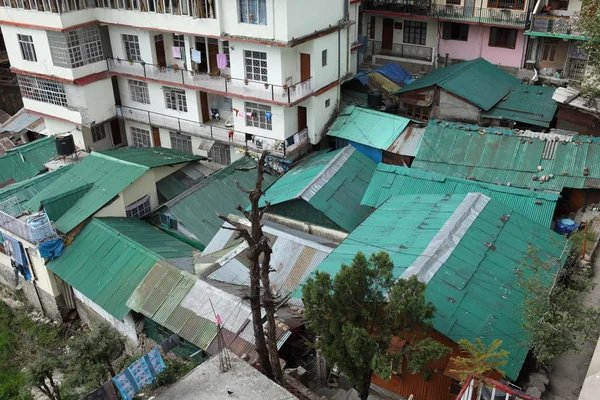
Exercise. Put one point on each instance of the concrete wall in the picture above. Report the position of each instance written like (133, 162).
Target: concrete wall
(452, 108)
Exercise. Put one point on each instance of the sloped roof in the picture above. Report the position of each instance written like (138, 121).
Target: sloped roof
(331, 182)
(527, 104)
(111, 256)
(477, 81)
(23, 121)
(170, 187)
(572, 97)
(152, 157)
(369, 127)
(479, 153)
(25, 161)
(467, 248)
(197, 208)
(391, 180)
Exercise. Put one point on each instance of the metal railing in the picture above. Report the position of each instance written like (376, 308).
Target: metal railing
(399, 6)
(281, 148)
(493, 16)
(214, 83)
(21, 229)
(479, 389)
(408, 51)
(553, 24)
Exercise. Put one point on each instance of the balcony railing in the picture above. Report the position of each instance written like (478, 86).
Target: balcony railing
(36, 232)
(492, 16)
(398, 50)
(414, 7)
(281, 148)
(475, 389)
(213, 83)
(553, 25)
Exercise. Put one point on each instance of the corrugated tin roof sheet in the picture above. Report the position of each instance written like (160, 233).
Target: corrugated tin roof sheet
(369, 127)
(152, 157)
(19, 122)
(107, 265)
(333, 183)
(475, 290)
(573, 98)
(480, 154)
(408, 142)
(197, 208)
(477, 81)
(26, 161)
(390, 180)
(170, 187)
(527, 104)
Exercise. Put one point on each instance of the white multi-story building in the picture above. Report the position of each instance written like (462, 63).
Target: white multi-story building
(202, 76)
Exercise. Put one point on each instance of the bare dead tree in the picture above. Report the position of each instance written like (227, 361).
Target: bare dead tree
(258, 244)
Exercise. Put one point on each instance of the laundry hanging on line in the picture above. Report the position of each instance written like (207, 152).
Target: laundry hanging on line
(176, 50)
(221, 61)
(196, 56)
(139, 374)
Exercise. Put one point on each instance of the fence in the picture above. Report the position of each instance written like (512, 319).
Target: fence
(496, 16)
(489, 389)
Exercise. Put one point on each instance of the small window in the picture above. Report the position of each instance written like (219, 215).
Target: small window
(139, 208)
(563, 5)
(371, 28)
(226, 52)
(324, 58)
(503, 37)
(139, 91)
(253, 11)
(258, 116)
(220, 154)
(415, 32)
(175, 99)
(27, 47)
(327, 103)
(415, 112)
(181, 142)
(140, 137)
(99, 133)
(256, 65)
(455, 31)
(132, 47)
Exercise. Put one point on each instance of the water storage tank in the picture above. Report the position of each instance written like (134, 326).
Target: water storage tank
(40, 228)
(374, 98)
(65, 145)
(565, 226)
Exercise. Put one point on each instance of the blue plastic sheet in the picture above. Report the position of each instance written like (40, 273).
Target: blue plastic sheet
(52, 248)
(392, 71)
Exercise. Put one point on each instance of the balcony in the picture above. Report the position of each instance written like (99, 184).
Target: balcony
(217, 132)
(551, 25)
(400, 52)
(34, 228)
(491, 16)
(402, 7)
(257, 91)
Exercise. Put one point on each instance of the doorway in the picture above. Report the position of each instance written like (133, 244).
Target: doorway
(156, 137)
(304, 67)
(213, 50)
(159, 45)
(204, 107)
(115, 132)
(202, 66)
(387, 36)
(302, 123)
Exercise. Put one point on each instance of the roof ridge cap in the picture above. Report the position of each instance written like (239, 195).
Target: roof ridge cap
(346, 151)
(118, 160)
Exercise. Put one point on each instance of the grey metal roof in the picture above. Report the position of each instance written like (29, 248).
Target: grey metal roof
(20, 122)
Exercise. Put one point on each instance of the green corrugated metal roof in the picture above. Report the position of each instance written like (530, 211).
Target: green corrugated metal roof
(106, 262)
(528, 104)
(555, 35)
(333, 183)
(477, 81)
(26, 161)
(391, 180)
(369, 127)
(152, 157)
(460, 150)
(197, 208)
(170, 187)
(475, 290)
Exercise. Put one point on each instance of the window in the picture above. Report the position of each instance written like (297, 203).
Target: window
(256, 65)
(454, 2)
(140, 137)
(549, 50)
(132, 47)
(181, 142)
(139, 208)
(561, 5)
(258, 116)
(327, 103)
(511, 4)
(455, 31)
(253, 11)
(503, 37)
(42, 90)
(139, 91)
(179, 42)
(27, 48)
(220, 154)
(98, 133)
(371, 28)
(226, 51)
(175, 99)
(167, 221)
(415, 32)
(415, 112)
(324, 58)
(75, 48)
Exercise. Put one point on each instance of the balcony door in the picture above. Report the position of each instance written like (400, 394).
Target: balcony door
(304, 67)
(159, 45)
(156, 137)
(387, 37)
(302, 123)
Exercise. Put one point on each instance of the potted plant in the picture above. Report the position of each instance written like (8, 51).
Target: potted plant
(266, 85)
(285, 86)
(131, 61)
(245, 81)
(175, 67)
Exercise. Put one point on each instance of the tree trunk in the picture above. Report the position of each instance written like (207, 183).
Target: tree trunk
(55, 388)
(270, 311)
(46, 390)
(365, 385)
(110, 369)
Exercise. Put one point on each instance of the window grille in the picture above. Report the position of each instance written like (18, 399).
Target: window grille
(42, 90)
(99, 133)
(253, 11)
(175, 99)
(220, 153)
(140, 137)
(132, 47)
(258, 116)
(181, 142)
(75, 48)
(139, 208)
(256, 65)
(27, 47)
(415, 32)
(139, 91)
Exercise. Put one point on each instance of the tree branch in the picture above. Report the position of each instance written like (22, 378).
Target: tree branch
(236, 226)
(243, 211)
(243, 189)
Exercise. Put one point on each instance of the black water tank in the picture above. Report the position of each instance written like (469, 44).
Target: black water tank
(65, 145)
(374, 98)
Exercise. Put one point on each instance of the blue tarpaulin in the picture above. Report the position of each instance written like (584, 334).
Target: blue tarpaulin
(51, 249)
(392, 71)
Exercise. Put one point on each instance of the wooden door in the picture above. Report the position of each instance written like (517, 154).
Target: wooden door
(304, 67)
(156, 137)
(301, 118)
(115, 131)
(387, 38)
(160, 52)
(204, 106)
(213, 50)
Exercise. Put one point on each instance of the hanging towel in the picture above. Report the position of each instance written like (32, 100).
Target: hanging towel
(176, 51)
(155, 362)
(222, 61)
(125, 385)
(196, 56)
(268, 115)
(135, 377)
(141, 372)
(242, 114)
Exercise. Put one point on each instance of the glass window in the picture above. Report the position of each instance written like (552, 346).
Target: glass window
(139, 208)
(42, 90)
(98, 133)
(226, 51)
(75, 48)
(132, 47)
(220, 153)
(181, 142)
(27, 47)
(258, 115)
(175, 99)
(549, 50)
(253, 11)
(455, 31)
(324, 58)
(415, 32)
(510, 4)
(139, 91)
(179, 42)
(256, 65)
(140, 137)
(503, 37)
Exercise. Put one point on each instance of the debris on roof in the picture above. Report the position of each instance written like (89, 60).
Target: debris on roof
(527, 104)
(23, 162)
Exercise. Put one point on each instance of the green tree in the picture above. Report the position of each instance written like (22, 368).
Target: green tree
(41, 374)
(481, 359)
(554, 314)
(587, 24)
(358, 312)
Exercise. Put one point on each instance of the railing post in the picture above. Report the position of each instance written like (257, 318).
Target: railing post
(182, 77)
(225, 85)
(107, 64)
(144, 67)
(284, 147)
(179, 124)
(272, 92)
(288, 90)
(211, 131)
(149, 119)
